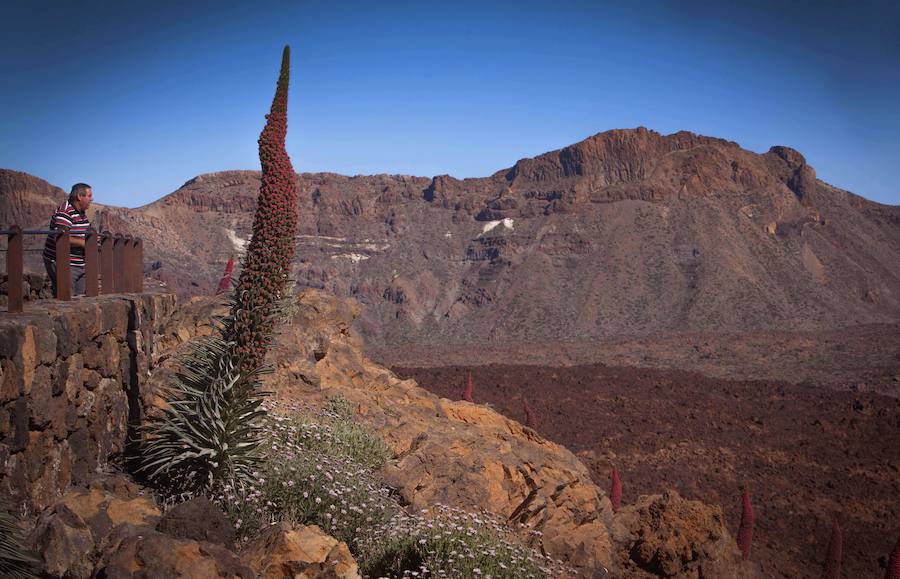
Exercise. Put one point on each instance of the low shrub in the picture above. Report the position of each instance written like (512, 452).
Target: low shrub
(452, 543)
(318, 470)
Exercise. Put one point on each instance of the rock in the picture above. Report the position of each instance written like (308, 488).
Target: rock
(305, 552)
(103, 355)
(458, 454)
(67, 375)
(110, 501)
(455, 453)
(70, 534)
(64, 544)
(198, 519)
(141, 552)
(668, 536)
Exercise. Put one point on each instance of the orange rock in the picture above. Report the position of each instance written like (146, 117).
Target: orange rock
(303, 552)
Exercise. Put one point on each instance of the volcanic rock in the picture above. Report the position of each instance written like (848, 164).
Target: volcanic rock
(668, 536)
(198, 519)
(136, 551)
(304, 551)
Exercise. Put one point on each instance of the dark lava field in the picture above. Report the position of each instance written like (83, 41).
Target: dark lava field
(809, 455)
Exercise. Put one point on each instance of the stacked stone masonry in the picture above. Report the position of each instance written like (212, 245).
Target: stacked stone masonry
(72, 383)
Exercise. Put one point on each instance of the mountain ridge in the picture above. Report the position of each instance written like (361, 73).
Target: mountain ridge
(627, 232)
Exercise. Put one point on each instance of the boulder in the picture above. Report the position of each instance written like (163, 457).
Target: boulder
(303, 552)
(64, 544)
(112, 501)
(669, 536)
(455, 453)
(70, 534)
(198, 519)
(141, 552)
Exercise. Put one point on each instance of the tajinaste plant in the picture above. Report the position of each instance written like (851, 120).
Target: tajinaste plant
(209, 433)
(530, 419)
(834, 559)
(225, 282)
(745, 531)
(467, 393)
(893, 570)
(267, 265)
(615, 493)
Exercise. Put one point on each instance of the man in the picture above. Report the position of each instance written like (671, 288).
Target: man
(73, 215)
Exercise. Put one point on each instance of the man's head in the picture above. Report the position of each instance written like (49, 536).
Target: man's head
(81, 196)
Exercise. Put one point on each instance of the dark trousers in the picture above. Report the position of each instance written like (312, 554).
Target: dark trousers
(77, 277)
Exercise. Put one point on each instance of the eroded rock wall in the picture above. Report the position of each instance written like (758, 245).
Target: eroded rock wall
(72, 378)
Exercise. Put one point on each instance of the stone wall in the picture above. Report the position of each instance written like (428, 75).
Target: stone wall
(71, 379)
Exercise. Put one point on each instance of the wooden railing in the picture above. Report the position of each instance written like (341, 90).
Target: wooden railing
(112, 264)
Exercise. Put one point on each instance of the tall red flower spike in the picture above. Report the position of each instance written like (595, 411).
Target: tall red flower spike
(615, 493)
(267, 264)
(530, 420)
(835, 553)
(893, 570)
(467, 393)
(225, 282)
(745, 532)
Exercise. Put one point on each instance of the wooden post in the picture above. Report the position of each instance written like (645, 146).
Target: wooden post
(63, 267)
(129, 264)
(139, 265)
(118, 264)
(91, 265)
(106, 263)
(15, 252)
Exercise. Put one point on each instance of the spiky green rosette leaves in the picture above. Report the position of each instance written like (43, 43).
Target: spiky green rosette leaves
(267, 265)
(211, 429)
(16, 562)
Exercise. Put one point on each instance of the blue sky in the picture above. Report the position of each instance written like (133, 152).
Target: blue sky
(137, 97)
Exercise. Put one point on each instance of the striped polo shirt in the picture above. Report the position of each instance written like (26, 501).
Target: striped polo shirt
(67, 216)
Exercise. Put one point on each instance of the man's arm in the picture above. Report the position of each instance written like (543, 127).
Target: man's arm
(61, 221)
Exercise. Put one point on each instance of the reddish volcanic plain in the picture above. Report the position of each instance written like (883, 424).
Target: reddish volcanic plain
(809, 455)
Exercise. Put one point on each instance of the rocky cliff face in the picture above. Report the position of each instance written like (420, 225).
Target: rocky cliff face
(26, 200)
(628, 232)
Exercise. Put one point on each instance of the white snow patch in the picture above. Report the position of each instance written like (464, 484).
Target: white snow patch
(507, 223)
(239, 244)
(321, 237)
(354, 257)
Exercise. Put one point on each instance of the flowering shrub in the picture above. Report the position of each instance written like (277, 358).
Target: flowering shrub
(319, 470)
(452, 543)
